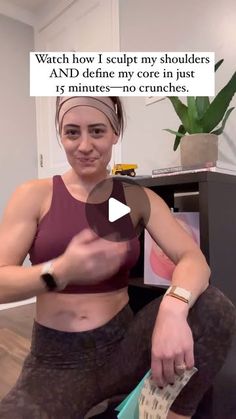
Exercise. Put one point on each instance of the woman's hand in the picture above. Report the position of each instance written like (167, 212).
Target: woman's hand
(88, 259)
(172, 342)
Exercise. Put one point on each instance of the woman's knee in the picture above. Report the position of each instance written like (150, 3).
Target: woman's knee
(214, 314)
(212, 320)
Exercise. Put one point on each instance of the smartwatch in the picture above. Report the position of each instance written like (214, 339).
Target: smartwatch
(48, 276)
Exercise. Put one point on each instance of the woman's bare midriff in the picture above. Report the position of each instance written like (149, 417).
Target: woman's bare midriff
(79, 312)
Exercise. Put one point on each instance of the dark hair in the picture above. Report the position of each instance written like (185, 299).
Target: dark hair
(119, 110)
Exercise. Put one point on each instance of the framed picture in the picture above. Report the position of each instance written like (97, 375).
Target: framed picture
(158, 268)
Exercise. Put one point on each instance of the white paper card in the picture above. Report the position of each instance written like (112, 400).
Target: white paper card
(154, 403)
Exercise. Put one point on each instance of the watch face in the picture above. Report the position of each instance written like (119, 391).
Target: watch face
(49, 281)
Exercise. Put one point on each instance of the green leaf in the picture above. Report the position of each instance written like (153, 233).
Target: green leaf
(202, 103)
(195, 127)
(218, 64)
(181, 131)
(177, 133)
(218, 106)
(181, 110)
(221, 129)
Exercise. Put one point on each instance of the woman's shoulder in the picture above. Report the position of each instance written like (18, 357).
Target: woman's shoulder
(28, 198)
(36, 186)
(33, 192)
(34, 195)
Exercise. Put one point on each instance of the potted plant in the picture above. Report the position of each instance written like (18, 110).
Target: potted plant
(200, 120)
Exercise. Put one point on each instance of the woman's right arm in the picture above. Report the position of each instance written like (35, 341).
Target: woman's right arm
(86, 260)
(17, 231)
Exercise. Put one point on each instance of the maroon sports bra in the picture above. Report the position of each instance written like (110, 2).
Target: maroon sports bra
(66, 218)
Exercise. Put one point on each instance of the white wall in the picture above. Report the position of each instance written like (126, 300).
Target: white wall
(167, 25)
(18, 154)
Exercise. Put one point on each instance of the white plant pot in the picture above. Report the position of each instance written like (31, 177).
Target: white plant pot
(198, 149)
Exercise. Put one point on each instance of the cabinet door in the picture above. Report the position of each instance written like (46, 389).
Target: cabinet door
(86, 25)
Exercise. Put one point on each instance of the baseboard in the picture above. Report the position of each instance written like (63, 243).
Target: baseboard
(17, 303)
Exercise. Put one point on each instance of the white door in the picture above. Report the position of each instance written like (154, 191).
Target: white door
(86, 25)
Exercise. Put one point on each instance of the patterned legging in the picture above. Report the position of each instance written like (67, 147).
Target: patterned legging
(66, 373)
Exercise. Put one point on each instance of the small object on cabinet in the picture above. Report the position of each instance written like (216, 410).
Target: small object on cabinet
(124, 169)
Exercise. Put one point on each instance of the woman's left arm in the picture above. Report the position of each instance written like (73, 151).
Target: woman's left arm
(172, 342)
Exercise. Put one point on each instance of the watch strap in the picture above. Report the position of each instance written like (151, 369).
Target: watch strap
(179, 293)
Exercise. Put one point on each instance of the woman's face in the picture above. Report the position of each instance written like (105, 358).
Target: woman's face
(87, 137)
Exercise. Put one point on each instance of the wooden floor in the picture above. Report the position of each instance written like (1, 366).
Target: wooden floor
(15, 335)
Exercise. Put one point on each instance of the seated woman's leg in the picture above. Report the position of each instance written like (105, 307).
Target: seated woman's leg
(57, 379)
(67, 373)
(212, 320)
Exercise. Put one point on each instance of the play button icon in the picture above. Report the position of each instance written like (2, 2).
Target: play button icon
(116, 210)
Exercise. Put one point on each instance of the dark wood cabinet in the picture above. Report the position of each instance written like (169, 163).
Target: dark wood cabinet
(214, 196)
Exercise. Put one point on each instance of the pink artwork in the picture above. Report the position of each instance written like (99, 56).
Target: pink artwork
(158, 268)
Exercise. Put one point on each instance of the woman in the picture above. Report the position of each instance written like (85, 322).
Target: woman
(86, 344)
